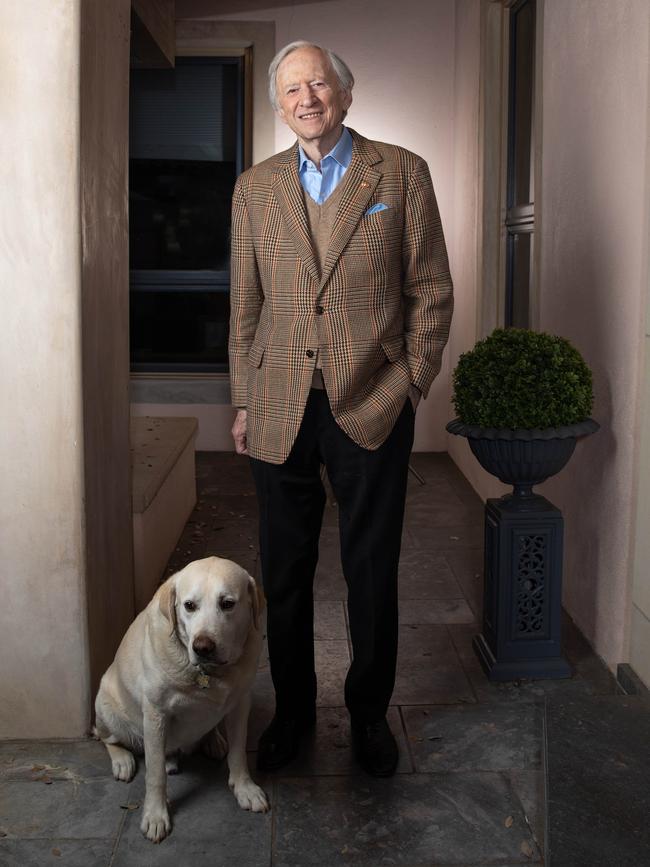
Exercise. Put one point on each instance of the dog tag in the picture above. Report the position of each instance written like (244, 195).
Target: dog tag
(202, 680)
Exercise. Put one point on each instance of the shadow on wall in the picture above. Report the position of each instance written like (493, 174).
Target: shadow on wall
(582, 491)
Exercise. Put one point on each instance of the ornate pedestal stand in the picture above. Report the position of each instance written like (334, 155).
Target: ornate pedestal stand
(523, 551)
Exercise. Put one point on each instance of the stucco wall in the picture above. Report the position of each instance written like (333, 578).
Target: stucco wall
(44, 659)
(104, 126)
(65, 499)
(593, 239)
(402, 58)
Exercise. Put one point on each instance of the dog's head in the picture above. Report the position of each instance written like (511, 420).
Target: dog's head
(212, 605)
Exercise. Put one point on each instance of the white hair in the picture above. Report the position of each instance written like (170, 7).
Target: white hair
(341, 69)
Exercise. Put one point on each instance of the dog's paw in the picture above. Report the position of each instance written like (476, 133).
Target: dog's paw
(156, 824)
(249, 796)
(123, 766)
(214, 745)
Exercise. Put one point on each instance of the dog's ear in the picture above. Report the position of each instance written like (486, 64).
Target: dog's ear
(257, 600)
(167, 602)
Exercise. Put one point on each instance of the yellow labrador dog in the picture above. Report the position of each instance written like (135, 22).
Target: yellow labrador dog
(186, 662)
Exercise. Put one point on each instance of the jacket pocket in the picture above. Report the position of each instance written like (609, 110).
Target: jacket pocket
(393, 346)
(256, 354)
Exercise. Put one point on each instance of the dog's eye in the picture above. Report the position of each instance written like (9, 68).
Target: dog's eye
(226, 604)
(189, 605)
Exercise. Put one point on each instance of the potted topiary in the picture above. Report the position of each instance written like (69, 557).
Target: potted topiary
(523, 398)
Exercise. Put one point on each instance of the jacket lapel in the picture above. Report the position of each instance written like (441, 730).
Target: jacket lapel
(361, 179)
(289, 194)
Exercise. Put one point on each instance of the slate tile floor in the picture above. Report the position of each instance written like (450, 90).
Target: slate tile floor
(469, 789)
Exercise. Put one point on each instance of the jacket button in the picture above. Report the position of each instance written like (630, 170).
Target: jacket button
(320, 309)
(310, 353)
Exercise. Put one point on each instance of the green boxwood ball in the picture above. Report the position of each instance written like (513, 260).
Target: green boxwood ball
(517, 378)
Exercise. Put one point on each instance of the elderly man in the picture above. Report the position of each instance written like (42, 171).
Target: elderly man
(341, 301)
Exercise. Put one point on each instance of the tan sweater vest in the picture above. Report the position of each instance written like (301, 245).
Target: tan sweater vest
(321, 222)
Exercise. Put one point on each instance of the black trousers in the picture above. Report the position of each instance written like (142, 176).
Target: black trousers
(370, 488)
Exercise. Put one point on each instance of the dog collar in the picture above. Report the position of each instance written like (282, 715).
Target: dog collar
(202, 679)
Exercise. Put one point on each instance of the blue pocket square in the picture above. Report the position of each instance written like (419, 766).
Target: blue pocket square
(375, 208)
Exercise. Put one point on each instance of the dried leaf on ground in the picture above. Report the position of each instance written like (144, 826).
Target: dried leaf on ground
(526, 849)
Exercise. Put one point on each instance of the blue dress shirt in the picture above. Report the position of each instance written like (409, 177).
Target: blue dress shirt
(321, 184)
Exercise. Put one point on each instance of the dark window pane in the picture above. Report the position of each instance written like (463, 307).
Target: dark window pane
(183, 165)
(520, 216)
(179, 330)
(186, 146)
(180, 214)
(186, 113)
(520, 259)
(521, 112)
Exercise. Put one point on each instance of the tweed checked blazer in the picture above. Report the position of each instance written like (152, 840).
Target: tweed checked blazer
(378, 314)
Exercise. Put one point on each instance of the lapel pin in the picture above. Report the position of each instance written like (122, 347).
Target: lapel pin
(365, 184)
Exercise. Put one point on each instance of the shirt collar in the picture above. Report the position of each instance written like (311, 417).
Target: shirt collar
(341, 152)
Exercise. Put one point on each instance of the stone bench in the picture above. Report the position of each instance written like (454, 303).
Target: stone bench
(163, 493)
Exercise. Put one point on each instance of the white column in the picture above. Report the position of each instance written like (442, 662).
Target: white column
(44, 672)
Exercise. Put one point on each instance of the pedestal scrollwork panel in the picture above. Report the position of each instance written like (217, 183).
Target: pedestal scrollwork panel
(531, 585)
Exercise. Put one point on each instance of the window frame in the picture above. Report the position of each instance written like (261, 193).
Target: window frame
(201, 280)
(494, 116)
(519, 218)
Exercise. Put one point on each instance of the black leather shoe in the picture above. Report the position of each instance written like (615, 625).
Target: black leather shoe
(375, 748)
(280, 742)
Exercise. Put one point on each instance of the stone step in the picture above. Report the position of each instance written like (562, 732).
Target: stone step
(163, 494)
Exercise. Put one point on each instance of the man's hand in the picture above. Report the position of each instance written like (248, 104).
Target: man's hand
(239, 432)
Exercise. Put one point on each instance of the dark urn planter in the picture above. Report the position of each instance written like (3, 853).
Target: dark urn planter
(523, 550)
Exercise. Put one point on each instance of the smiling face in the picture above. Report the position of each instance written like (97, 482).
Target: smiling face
(311, 101)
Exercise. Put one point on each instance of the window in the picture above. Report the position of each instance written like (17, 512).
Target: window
(520, 212)
(186, 151)
(509, 164)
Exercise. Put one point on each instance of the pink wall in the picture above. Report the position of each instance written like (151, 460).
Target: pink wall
(593, 248)
(593, 234)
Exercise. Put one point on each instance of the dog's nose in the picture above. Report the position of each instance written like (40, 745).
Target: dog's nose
(203, 646)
